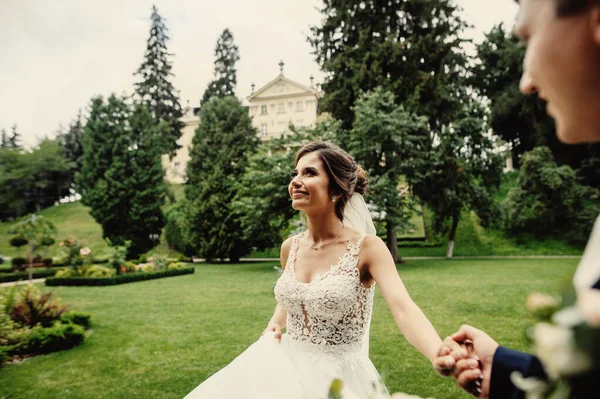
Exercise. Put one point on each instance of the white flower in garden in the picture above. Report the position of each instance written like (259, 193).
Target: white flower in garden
(556, 349)
(85, 251)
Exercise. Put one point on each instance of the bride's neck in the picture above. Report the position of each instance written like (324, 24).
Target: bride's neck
(324, 227)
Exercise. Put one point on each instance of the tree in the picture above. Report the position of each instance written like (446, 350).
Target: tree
(462, 171)
(218, 157)
(389, 143)
(72, 146)
(33, 180)
(36, 231)
(548, 200)
(14, 140)
(225, 81)
(155, 88)
(121, 178)
(520, 120)
(410, 48)
(4, 141)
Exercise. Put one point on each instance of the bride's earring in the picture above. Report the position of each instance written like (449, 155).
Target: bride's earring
(333, 199)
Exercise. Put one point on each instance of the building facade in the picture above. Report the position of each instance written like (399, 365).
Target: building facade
(280, 103)
(175, 168)
(272, 109)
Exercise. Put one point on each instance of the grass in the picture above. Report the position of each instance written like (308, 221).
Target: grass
(73, 220)
(159, 339)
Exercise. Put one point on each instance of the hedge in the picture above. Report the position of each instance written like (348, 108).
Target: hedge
(37, 273)
(119, 279)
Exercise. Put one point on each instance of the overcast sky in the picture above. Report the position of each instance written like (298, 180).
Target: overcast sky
(56, 55)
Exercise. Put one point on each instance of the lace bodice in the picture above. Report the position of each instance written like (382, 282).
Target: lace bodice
(334, 310)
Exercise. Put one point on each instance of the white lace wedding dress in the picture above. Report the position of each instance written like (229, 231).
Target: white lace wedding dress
(327, 337)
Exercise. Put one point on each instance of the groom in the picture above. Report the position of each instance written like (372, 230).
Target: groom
(562, 64)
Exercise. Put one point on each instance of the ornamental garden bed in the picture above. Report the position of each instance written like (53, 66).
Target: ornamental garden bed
(32, 323)
(118, 279)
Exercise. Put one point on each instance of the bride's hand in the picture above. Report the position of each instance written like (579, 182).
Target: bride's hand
(276, 329)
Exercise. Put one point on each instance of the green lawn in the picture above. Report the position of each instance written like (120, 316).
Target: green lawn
(159, 339)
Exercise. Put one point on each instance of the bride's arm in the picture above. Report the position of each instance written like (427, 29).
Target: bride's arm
(408, 316)
(278, 320)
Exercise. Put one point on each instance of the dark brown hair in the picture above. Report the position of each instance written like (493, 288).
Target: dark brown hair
(345, 176)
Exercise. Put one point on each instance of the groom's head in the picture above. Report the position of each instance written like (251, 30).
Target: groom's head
(562, 62)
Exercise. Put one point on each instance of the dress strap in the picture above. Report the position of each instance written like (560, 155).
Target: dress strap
(293, 252)
(354, 249)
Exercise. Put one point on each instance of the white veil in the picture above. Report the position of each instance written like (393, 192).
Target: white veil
(357, 216)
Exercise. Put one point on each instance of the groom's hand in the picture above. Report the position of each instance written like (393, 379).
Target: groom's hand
(482, 348)
(447, 356)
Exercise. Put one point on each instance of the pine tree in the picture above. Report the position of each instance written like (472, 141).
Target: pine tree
(146, 180)
(410, 48)
(225, 81)
(15, 139)
(218, 157)
(72, 147)
(121, 179)
(155, 88)
(4, 142)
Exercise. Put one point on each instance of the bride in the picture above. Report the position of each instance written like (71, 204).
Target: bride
(325, 295)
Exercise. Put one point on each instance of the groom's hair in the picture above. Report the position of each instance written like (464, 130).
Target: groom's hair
(345, 176)
(565, 8)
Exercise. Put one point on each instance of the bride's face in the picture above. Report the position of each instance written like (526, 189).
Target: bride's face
(309, 187)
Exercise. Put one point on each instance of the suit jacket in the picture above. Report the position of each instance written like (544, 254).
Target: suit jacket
(507, 360)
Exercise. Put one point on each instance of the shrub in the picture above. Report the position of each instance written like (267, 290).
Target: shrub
(175, 266)
(51, 339)
(118, 279)
(80, 318)
(159, 261)
(66, 272)
(37, 273)
(33, 307)
(18, 241)
(175, 230)
(47, 262)
(183, 258)
(148, 268)
(128, 267)
(18, 262)
(96, 271)
(143, 259)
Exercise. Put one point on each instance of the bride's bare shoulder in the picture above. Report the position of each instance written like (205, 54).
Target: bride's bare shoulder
(285, 251)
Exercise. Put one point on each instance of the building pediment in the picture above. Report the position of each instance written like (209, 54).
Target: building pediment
(281, 87)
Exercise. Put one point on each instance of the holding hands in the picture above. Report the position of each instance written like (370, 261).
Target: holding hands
(467, 355)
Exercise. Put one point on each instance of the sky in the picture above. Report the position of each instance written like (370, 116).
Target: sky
(56, 55)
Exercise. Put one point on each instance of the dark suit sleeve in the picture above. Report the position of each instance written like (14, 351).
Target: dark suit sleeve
(505, 362)
(597, 285)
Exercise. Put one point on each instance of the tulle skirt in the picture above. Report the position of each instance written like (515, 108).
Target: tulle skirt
(293, 370)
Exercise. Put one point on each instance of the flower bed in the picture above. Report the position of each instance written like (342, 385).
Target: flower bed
(32, 323)
(118, 279)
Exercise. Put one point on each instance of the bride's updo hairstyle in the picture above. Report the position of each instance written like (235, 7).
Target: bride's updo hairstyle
(346, 177)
